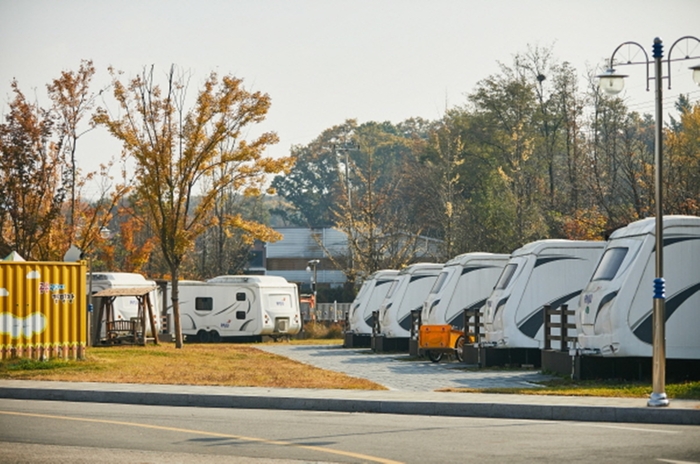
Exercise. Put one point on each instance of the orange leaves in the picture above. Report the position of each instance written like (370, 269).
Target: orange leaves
(585, 225)
(188, 159)
(252, 230)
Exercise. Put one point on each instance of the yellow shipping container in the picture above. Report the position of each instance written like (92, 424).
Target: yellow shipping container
(43, 309)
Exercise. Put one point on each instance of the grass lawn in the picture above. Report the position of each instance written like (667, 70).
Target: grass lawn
(224, 364)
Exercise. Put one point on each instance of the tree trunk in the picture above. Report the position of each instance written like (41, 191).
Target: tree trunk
(175, 298)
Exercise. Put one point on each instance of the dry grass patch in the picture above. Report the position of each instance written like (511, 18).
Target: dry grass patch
(196, 364)
(604, 388)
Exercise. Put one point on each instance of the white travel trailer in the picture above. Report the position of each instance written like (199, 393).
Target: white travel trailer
(541, 273)
(466, 281)
(407, 293)
(369, 298)
(124, 308)
(243, 307)
(614, 317)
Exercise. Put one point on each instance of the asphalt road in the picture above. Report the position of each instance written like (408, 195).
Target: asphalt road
(63, 432)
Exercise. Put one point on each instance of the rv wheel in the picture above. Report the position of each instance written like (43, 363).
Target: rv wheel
(434, 356)
(459, 349)
(203, 336)
(214, 336)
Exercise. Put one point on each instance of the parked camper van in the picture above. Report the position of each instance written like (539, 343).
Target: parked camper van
(407, 292)
(465, 282)
(124, 307)
(369, 298)
(244, 307)
(614, 317)
(545, 272)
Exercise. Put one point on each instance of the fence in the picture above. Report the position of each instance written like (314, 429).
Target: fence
(325, 312)
(563, 325)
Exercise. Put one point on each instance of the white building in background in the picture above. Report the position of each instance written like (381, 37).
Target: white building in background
(290, 256)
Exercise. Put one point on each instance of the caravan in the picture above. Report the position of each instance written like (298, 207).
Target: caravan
(239, 307)
(541, 273)
(614, 317)
(369, 298)
(465, 283)
(407, 293)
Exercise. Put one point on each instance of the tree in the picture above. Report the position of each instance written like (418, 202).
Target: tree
(315, 183)
(72, 100)
(443, 185)
(682, 157)
(505, 107)
(621, 158)
(32, 188)
(176, 150)
(377, 209)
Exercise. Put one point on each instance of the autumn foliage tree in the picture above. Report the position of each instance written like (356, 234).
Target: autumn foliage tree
(42, 208)
(32, 187)
(183, 158)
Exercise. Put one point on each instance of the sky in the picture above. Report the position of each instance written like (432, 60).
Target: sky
(325, 61)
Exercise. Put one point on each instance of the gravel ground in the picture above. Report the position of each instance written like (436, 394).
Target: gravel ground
(401, 372)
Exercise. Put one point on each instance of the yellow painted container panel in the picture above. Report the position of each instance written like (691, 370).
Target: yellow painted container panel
(43, 309)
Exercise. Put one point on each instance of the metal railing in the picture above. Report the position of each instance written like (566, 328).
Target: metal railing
(325, 312)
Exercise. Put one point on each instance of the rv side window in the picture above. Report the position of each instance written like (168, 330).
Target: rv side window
(203, 303)
(610, 263)
(438, 283)
(240, 296)
(240, 315)
(507, 274)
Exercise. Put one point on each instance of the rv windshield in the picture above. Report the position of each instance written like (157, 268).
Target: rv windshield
(439, 282)
(507, 274)
(610, 263)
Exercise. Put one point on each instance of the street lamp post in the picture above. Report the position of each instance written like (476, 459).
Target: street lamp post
(612, 84)
(314, 263)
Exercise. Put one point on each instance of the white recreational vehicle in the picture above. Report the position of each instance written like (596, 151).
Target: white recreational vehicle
(124, 307)
(244, 307)
(465, 283)
(407, 293)
(541, 273)
(614, 317)
(370, 298)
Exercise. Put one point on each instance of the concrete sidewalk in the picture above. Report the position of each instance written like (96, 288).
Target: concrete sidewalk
(389, 402)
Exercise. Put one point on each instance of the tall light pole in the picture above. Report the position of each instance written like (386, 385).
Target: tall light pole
(314, 263)
(346, 148)
(612, 84)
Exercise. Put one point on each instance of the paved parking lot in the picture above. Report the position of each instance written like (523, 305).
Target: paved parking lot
(400, 372)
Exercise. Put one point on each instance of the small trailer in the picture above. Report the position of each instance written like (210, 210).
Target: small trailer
(369, 298)
(407, 293)
(465, 283)
(239, 308)
(614, 315)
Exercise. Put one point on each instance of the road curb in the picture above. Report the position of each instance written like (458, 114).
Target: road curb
(506, 410)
